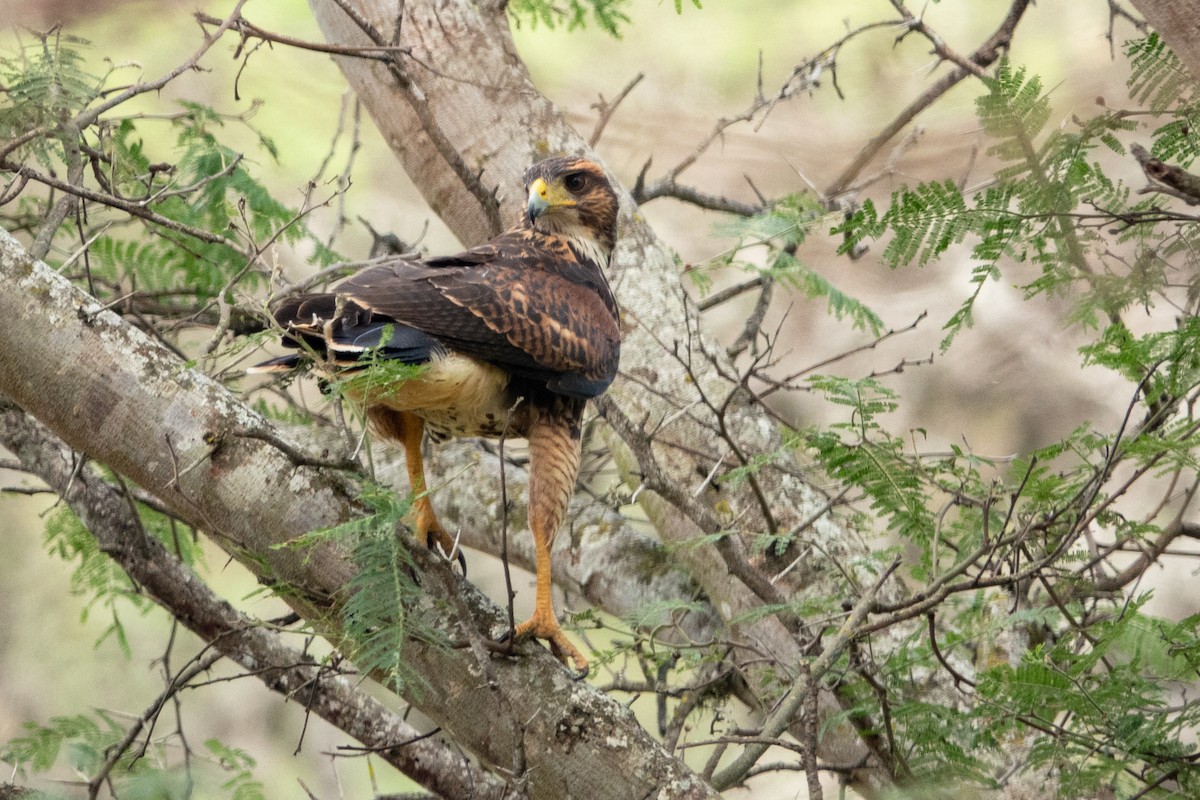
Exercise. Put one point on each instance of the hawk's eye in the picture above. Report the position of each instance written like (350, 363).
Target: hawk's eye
(574, 182)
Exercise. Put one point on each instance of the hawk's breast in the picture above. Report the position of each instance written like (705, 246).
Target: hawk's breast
(456, 395)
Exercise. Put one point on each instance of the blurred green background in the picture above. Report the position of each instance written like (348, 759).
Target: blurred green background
(1010, 383)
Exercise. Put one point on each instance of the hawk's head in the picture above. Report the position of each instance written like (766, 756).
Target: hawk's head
(571, 197)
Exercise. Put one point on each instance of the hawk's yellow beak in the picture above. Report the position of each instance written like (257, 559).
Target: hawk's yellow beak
(544, 196)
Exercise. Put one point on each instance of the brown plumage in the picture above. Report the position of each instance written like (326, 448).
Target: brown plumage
(516, 335)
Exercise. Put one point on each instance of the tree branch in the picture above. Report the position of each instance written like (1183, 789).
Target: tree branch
(486, 104)
(246, 641)
(984, 56)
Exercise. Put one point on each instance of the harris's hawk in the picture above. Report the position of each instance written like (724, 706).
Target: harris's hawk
(515, 336)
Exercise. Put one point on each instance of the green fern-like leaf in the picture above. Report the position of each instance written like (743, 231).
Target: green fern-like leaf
(860, 453)
(83, 737)
(1013, 113)
(96, 577)
(925, 222)
(239, 765)
(608, 15)
(1160, 81)
(1156, 76)
(375, 613)
(782, 229)
(789, 270)
(1165, 363)
(105, 587)
(46, 83)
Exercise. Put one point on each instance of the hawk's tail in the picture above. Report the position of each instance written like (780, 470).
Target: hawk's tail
(332, 331)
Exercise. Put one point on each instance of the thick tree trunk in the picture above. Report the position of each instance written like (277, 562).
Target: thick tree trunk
(114, 394)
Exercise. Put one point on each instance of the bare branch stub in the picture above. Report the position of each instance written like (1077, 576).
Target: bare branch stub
(1167, 178)
(607, 108)
(940, 48)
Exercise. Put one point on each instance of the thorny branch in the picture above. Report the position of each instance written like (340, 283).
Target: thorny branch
(657, 480)
(785, 711)
(133, 208)
(432, 128)
(391, 55)
(804, 78)
(607, 108)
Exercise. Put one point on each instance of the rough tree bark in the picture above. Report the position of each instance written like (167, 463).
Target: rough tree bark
(112, 518)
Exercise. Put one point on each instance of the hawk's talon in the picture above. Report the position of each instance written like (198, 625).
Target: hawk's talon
(436, 539)
(458, 554)
(545, 627)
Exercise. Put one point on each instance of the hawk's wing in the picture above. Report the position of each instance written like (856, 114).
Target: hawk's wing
(508, 303)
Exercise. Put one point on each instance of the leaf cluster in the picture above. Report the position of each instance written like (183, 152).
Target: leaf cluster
(175, 220)
(608, 15)
(379, 608)
(205, 187)
(1053, 675)
(45, 83)
(1047, 207)
(97, 578)
(82, 743)
(1160, 82)
(777, 233)
(861, 453)
(1100, 703)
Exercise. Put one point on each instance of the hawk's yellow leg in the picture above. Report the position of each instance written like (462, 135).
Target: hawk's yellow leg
(554, 444)
(408, 429)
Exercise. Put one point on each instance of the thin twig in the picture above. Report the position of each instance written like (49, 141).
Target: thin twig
(607, 109)
(984, 56)
(785, 710)
(659, 482)
(134, 208)
(940, 48)
(432, 129)
(113, 754)
(375, 52)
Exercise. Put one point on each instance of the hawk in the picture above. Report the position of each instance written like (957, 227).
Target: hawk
(515, 336)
